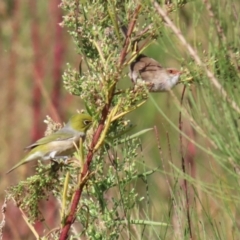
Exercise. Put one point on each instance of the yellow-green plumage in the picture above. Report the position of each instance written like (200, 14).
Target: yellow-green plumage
(59, 144)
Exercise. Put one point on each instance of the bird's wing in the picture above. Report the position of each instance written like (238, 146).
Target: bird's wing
(138, 66)
(149, 71)
(57, 136)
(144, 63)
(151, 65)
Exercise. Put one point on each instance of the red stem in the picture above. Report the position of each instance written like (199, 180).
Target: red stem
(11, 83)
(38, 73)
(59, 49)
(71, 217)
(11, 91)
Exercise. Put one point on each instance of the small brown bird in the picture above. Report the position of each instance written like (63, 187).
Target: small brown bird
(156, 77)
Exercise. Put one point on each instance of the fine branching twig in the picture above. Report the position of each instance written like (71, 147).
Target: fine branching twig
(85, 171)
(129, 32)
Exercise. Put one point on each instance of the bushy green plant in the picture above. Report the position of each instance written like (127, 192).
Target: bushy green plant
(99, 191)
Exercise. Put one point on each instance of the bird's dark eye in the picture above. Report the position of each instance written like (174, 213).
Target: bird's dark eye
(87, 122)
(170, 71)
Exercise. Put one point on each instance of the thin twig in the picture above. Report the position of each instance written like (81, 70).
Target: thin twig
(3, 222)
(180, 122)
(128, 35)
(168, 180)
(184, 168)
(193, 123)
(195, 56)
(31, 227)
(140, 34)
(235, 12)
(219, 28)
(217, 23)
(76, 13)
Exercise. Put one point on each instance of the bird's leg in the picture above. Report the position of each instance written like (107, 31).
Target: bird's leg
(65, 159)
(54, 165)
(150, 86)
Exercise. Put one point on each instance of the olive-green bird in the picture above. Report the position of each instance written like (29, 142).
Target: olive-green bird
(59, 144)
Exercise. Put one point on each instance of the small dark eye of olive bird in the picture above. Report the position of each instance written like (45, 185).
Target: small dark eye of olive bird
(87, 122)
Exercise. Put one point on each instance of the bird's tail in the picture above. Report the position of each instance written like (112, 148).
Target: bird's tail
(23, 161)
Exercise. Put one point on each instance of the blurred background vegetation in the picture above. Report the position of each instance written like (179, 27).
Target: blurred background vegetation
(34, 53)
